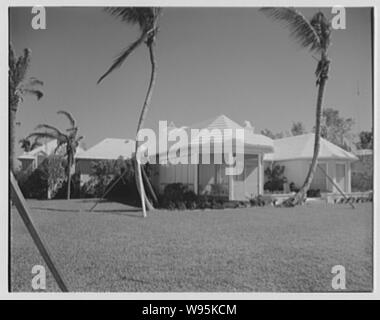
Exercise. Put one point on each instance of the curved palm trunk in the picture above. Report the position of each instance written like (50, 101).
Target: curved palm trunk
(138, 176)
(69, 164)
(301, 194)
(12, 138)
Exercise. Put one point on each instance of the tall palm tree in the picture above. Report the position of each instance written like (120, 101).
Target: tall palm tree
(147, 20)
(69, 142)
(313, 34)
(19, 86)
(28, 146)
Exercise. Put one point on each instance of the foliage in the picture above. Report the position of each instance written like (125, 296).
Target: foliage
(260, 201)
(293, 187)
(276, 179)
(297, 128)
(28, 146)
(18, 87)
(336, 129)
(313, 193)
(69, 141)
(19, 84)
(103, 177)
(45, 181)
(363, 180)
(146, 18)
(272, 135)
(365, 140)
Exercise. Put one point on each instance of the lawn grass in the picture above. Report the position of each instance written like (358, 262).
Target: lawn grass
(231, 250)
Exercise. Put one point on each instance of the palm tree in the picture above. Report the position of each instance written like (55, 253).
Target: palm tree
(19, 86)
(28, 146)
(147, 20)
(313, 34)
(69, 141)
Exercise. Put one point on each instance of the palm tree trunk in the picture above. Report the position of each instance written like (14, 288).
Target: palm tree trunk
(68, 177)
(301, 194)
(138, 176)
(12, 138)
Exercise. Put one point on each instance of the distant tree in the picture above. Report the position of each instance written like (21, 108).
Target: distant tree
(69, 141)
(297, 128)
(28, 146)
(269, 133)
(19, 87)
(313, 34)
(365, 140)
(336, 129)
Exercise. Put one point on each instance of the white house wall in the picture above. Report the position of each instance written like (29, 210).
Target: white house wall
(296, 171)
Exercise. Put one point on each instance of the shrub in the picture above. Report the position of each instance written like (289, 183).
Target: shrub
(313, 193)
(104, 175)
(276, 179)
(178, 194)
(34, 185)
(45, 181)
(260, 201)
(293, 187)
(361, 181)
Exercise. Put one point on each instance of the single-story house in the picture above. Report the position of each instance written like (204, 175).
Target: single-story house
(295, 154)
(211, 179)
(32, 159)
(107, 149)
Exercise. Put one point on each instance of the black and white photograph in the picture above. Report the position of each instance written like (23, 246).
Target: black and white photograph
(172, 149)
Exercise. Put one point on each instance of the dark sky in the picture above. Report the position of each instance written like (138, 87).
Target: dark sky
(211, 61)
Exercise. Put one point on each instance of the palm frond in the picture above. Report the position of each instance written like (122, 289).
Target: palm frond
(35, 144)
(33, 92)
(301, 29)
(32, 81)
(42, 135)
(143, 16)
(124, 55)
(69, 116)
(49, 127)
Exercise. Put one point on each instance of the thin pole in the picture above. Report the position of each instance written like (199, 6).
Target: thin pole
(22, 209)
(336, 186)
(109, 189)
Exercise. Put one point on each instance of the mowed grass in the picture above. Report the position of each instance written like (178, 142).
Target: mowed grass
(234, 250)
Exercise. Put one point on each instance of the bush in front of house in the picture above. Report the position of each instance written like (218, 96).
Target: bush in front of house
(116, 177)
(45, 181)
(260, 201)
(361, 181)
(178, 196)
(34, 184)
(293, 187)
(275, 178)
(313, 193)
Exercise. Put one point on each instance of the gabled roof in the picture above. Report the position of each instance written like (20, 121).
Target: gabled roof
(220, 122)
(253, 143)
(46, 149)
(109, 149)
(302, 147)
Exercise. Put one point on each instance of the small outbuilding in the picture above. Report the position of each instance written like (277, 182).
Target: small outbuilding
(295, 154)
